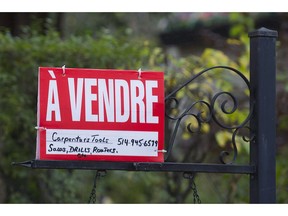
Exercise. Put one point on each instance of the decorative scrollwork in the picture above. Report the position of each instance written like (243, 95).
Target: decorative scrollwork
(223, 107)
(245, 138)
(207, 112)
(187, 112)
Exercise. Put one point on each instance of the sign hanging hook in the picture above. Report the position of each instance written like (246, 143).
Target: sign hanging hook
(63, 71)
(139, 73)
(40, 128)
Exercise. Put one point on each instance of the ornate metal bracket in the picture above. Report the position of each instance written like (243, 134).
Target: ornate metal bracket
(208, 112)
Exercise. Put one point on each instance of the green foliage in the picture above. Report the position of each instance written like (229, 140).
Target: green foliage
(241, 23)
(281, 175)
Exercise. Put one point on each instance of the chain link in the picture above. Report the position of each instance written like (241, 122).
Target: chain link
(99, 173)
(193, 187)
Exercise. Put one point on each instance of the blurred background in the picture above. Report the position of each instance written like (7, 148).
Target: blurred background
(180, 44)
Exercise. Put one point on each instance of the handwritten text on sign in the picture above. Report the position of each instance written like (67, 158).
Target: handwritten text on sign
(100, 115)
(102, 142)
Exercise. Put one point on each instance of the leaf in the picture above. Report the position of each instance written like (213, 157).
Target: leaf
(222, 137)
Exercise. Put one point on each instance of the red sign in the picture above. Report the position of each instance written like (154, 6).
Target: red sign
(107, 115)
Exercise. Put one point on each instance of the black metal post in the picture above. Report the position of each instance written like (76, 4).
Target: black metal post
(263, 94)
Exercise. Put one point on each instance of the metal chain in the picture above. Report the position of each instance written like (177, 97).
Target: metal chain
(99, 173)
(192, 185)
(196, 197)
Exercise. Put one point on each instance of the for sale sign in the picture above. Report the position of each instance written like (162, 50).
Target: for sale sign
(107, 115)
